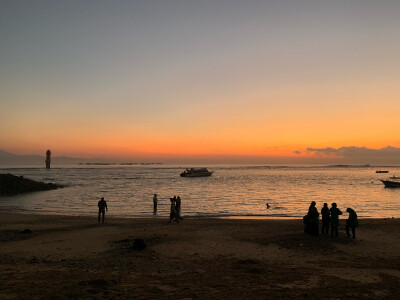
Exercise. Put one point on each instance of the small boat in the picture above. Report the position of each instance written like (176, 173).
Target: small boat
(392, 182)
(382, 171)
(196, 172)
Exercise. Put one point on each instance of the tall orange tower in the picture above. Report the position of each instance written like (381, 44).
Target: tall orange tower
(48, 159)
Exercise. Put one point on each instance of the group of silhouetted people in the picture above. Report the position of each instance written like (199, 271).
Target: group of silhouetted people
(330, 217)
(175, 211)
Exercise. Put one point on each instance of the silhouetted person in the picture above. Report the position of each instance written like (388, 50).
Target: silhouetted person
(351, 222)
(155, 202)
(335, 212)
(178, 209)
(325, 219)
(313, 219)
(172, 214)
(268, 206)
(102, 208)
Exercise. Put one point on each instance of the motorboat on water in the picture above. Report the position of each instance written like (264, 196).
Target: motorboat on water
(382, 171)
(196, 172)
(392, 182)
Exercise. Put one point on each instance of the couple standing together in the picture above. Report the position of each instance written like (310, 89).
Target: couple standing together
(175, 212)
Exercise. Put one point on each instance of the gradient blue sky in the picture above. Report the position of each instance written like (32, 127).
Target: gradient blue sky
(181, 78)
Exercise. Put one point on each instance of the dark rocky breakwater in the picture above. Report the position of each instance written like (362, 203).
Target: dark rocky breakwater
(13, 185)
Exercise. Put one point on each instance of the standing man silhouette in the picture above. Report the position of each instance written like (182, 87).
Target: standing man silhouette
(326, 218)
(335, 213)
(155, 202)
(102, 208)
(178, 209)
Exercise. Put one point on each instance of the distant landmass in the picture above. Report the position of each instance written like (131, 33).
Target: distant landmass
(9, 160)
(118, 164)
(349, 166)
(13, 185)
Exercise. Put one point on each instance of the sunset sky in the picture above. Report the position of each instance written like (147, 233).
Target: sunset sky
(172, 79)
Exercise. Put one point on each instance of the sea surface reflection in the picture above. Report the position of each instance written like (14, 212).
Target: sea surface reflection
(231, 191)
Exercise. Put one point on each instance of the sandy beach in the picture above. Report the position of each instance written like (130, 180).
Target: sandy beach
(68, 257)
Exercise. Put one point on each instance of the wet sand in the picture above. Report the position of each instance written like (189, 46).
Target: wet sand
(68, 257)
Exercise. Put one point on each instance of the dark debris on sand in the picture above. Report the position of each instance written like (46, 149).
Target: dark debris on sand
(16, 235)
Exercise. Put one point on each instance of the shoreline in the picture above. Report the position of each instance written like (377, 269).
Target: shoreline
(166, 217)
(152, 217)
(67, 257)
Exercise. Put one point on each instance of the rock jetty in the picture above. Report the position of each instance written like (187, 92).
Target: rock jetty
(13, 185)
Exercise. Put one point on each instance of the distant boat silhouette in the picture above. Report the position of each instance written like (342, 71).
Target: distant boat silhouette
(382, 171)
(196, 172)
(394, 182)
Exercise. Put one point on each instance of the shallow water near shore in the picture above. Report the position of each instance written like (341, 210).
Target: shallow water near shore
(232, 191)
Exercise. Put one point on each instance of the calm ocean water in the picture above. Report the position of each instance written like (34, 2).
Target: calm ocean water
(231, 191)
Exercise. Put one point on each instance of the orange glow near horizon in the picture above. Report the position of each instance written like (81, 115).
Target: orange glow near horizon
(246, 129)
(175, 147)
